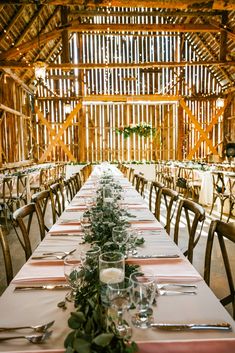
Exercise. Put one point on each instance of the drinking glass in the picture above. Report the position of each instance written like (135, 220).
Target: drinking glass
(119, 299)
(90, 257)
(143, 292)
(120, 236)
(134, 234)
(86, 224)
(73, 273)
(111, 270)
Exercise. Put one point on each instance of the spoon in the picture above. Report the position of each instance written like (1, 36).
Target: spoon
(38, 328)
(31, 338)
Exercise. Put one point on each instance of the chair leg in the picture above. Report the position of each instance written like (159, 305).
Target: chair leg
(213, 203)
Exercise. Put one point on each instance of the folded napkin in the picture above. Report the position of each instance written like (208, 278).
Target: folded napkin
(30, 273)
(65, 222)
(150, 261)
(137, 206)
(76, 207)
(65, 228)
(171, 271)
(41, 351)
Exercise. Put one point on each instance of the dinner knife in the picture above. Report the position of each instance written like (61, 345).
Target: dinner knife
(159, 256)
(46, 286)
(187, 327)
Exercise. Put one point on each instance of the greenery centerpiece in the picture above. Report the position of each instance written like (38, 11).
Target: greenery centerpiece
(143, 130)
(92, 331)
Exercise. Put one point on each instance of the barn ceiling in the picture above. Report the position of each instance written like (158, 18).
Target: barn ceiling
(38, 30)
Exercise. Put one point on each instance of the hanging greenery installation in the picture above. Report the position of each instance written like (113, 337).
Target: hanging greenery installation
(143, 130)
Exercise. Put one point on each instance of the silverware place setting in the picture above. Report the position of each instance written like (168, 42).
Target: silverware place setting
(36, 339)
(38, 328)
(224, 326)
(42, 287)
(55, 254)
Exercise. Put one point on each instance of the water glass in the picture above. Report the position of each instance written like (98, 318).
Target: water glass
(90, 257)
(111, 270)
(143, 292)
(119, 298)
(120, 236)
(73, 273)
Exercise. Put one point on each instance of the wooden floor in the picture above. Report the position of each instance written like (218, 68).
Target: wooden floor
(218, 283)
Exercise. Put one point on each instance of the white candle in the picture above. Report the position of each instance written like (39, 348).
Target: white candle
(111, 275)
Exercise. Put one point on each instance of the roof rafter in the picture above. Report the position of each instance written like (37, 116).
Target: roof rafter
(169, 4)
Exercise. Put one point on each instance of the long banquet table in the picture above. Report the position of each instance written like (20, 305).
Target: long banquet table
(31, 307)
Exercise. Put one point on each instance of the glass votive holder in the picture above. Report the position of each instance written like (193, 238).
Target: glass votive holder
(111, 270)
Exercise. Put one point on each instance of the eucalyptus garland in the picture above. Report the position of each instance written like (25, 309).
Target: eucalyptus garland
(143, 130)
(92, 330)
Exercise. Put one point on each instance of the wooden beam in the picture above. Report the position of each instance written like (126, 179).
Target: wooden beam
(165, 4)
(98, 12)
(29, 25)
(29, 45)
(18, 80)
(65, 35)
(13, 21)
(107, 28)
(53, 133)
(90, 66)
(209, 128)
(60, 133)
(198, 126)
(13, 111)
(223, 38)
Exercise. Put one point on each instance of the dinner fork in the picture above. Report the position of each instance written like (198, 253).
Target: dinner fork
(37, 328)
(40, 257)
(60, 252)
(31, 338)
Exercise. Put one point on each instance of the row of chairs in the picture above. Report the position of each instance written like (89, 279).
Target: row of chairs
(50, 202)
(194, 214)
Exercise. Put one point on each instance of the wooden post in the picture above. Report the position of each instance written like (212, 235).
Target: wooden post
(223, 37)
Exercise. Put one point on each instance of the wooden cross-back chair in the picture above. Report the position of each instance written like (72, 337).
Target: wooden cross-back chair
(194, 213)
(22, 190)
(219, 191)
(142, 184)
(23, 219)
(155, 188)
(59, 199)
(7, 256)
(6, 200)
(44, 199)
(169, 198)
(226, 234)
(231, 185)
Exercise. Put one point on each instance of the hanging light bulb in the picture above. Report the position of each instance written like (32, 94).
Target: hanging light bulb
(220, 103)
(40, 70)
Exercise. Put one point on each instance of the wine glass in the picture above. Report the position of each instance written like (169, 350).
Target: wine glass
(143, 292)
(73, 273)
(120, 236)
(111, 270)
(119, 299)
